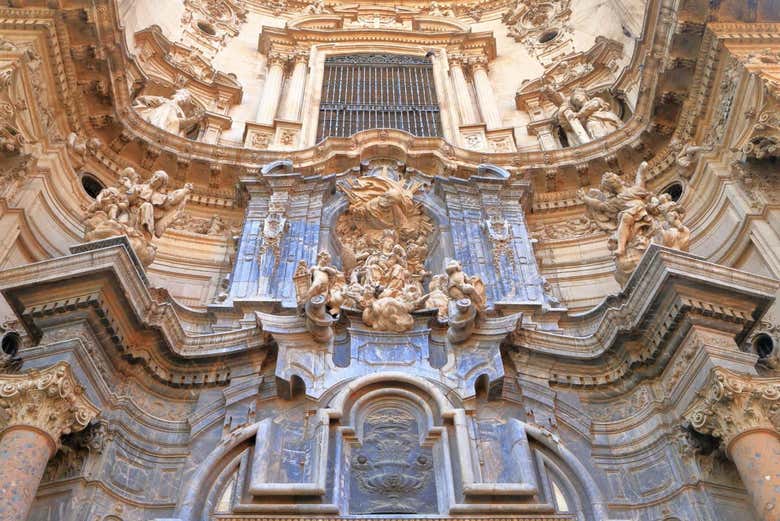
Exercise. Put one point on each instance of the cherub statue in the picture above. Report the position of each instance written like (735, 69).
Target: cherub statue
(168, 114)
(460, 285)
(687, 154)
(326, 281)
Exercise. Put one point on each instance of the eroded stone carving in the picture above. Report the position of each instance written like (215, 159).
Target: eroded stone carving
(541, 26)
(50, 400)
(176, 114)
(687, 154)
(636, 219)
(142, 211)
(274, 227)
(391, 472)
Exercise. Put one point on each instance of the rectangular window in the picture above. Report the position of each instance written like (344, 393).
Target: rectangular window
(366, 91)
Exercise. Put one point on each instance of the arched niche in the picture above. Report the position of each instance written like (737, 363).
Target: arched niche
(392, 448)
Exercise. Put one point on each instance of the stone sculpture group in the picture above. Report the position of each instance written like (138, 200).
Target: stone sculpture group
(140, 210)
(636, 218)
(383, 236)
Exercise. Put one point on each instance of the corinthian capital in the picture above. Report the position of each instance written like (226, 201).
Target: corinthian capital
(734, 404)
(50, 400)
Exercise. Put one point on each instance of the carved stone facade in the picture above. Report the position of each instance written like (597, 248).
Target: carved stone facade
(494, 259)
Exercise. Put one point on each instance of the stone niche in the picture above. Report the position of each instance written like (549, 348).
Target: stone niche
(393, 444)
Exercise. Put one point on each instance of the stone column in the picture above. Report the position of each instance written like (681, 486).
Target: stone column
(467, 114)
(292, 103)
(741, 410)
(272, 89)
(40, 406)
(485, 95)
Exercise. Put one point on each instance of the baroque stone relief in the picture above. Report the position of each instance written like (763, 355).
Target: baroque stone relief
(391, 471)
(384, 238)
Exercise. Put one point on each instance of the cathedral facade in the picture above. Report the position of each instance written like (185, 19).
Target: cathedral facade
(506, 260)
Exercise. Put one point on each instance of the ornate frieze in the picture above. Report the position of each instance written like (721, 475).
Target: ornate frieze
(734, 404)
(50, 400)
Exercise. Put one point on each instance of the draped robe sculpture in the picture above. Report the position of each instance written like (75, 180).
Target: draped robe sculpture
(141, 211)
(636, 219)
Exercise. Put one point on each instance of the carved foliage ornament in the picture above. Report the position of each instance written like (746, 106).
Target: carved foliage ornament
(733, 404)
(50, 400)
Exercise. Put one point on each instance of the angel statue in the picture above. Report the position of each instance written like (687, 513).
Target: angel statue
(636, 218)
(168, 114)
(141, 211)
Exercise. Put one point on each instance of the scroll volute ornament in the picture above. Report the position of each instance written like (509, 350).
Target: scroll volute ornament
(734, 404)
(50, 400)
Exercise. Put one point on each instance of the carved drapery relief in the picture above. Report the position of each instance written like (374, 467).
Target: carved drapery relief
(733, 404)
(140, 210)
(583, 116)
(50, 400)
(392, 473)
(177, 114)
(636, 219)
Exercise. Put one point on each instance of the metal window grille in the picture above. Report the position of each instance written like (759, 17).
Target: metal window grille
(366, 91)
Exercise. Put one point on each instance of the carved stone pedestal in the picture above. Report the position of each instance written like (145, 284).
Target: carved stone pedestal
(742, 411)
(39, 406)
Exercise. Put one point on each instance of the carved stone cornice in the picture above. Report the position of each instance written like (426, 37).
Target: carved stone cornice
(655, 310)
(125, 315)
(50, 400)
(734, 404)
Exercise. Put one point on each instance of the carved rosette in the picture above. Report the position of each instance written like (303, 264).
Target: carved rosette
(733, 404)
(50, 400)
